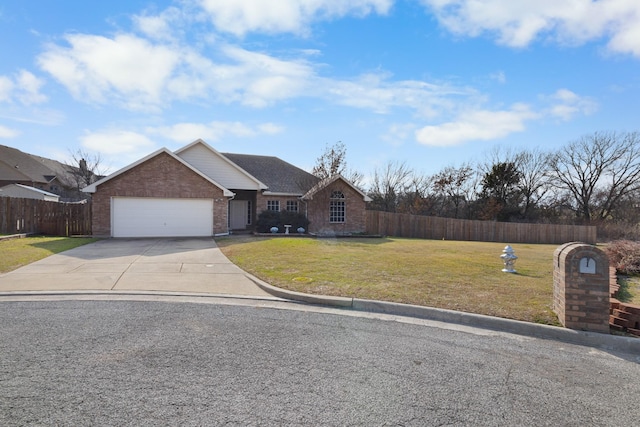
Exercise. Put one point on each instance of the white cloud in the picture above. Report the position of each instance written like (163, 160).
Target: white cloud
(24, 87)
(213, 131)
(399, 133)
(117, 142)
(258, 80)
(166, 25)
(28, 87)
(292, 16)
(126, 67)
(566, 105)
(270, 128)
(141, 75)
(6, 88)
(6, 132)
(478, 125)
(377, 93)
(519, 23)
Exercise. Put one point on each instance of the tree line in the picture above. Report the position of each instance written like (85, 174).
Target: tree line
(593, 180)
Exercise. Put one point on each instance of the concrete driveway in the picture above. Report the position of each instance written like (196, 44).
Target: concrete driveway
(173, 264)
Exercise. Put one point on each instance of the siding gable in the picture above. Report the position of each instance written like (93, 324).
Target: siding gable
(217, 167)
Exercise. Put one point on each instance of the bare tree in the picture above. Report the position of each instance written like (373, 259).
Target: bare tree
(334, 161)
(389, 184)
(598, 170)
(415, 198)
(450, 185)
(84, 168)
(534, 178)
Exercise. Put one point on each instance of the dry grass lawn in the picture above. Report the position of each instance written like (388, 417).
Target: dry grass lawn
(15, 253)
(455, 275)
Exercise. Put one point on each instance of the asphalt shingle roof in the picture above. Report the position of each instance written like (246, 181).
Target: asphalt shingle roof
(16, 165)
(25, 164)
(278, 175)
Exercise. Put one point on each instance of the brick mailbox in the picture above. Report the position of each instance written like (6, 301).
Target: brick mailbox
(581, 287)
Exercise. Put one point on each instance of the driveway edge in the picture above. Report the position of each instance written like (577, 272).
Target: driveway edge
(590, 339)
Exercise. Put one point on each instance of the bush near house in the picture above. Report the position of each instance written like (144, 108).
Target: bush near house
(268, 219)
(624, 255)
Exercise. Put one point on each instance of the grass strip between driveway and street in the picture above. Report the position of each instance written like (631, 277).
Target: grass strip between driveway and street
(15, 253)
(455, 275)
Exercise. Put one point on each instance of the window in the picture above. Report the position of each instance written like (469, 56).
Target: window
(248, 212)
(273, 205)
(292, 205)
(336, 207)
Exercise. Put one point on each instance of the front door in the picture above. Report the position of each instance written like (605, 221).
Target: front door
(238, 213)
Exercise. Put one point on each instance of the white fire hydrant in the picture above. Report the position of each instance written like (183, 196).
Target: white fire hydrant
(509, 258)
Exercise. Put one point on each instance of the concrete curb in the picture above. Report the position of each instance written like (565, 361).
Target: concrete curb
(299, 296)
(15, 236)
(590, 339)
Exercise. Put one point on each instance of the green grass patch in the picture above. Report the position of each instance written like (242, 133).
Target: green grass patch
(629, 291)
(454, 275)
(15, 253)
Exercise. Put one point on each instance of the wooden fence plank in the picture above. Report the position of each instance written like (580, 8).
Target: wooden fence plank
(429, 227)
(44, 217)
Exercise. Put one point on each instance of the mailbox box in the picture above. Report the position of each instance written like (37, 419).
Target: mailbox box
(581, 287)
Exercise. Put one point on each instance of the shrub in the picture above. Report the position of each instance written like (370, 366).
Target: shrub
(268, 219)
(624, 255)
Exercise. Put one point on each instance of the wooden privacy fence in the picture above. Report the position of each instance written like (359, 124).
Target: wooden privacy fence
(431, 227)
(43, 217)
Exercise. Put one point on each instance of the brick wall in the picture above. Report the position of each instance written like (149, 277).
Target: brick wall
(261, 202)
(161, 176)
(355, 206)
(622, 316)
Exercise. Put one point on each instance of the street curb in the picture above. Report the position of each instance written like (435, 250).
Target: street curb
(590, 339)
(299, 296)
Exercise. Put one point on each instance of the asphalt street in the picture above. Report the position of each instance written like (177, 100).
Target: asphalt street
(86, 362)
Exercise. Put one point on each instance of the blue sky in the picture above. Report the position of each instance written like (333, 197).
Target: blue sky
(432, 83)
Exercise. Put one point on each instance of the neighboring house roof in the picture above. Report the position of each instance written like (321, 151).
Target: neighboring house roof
(24, 191)
(279, 176)
(93, 187)
(60, 170)
(28, 165)
(328, 181)
(11, 173)
(19, 166)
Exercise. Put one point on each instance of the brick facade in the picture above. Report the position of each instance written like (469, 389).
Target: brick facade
(318, 211)
(161, 176)
(261, 202)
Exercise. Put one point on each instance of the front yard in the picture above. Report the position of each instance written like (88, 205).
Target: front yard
(454, 275)
(15, 253)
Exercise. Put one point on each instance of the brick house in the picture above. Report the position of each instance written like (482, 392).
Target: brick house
(198, 191)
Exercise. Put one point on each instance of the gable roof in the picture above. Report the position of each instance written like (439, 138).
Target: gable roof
(93, 187)
(218, 167)
(279, 176)
(328, 181)
(27, 165)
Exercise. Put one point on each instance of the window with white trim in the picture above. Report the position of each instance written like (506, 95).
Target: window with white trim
(273, 205)
(292, 205)
(337, 207)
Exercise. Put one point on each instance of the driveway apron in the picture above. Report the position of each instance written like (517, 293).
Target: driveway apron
(170, 264)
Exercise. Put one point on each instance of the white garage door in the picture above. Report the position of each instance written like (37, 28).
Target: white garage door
(151, 217)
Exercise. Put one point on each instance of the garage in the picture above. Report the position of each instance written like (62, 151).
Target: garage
(161, 217)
